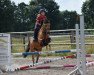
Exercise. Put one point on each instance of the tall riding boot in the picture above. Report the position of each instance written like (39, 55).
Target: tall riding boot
(36, 34)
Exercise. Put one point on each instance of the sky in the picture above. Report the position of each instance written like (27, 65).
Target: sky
(71, 5)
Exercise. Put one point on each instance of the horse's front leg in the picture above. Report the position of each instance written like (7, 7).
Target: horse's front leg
(33, 59)
(37, 58)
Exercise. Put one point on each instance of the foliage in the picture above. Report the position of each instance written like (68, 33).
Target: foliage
(6, 15)
(22, 17)
(53, 14)
(68, 19)
(88, 11)
(52, 10)
(22, 20)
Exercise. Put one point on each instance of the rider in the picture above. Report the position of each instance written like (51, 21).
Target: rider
(39, 21)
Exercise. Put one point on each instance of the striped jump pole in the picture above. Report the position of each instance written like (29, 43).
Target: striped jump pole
(90, 64)
(59, 51)
(50, 52)
(89, 55)
(51, 67)
(44, 62)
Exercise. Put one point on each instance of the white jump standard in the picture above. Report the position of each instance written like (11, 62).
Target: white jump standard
(81, 53)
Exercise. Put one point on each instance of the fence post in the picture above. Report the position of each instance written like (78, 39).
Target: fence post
(72, 38)
(24, 42)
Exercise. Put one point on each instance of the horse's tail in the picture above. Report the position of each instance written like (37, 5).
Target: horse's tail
(27, 49)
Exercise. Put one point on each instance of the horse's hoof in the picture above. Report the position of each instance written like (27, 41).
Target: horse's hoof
(36, 61)
(24, 56)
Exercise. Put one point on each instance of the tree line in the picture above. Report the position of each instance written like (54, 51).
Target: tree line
(22, 17)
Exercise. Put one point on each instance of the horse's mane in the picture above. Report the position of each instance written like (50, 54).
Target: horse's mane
(43, 30)
(43, 27)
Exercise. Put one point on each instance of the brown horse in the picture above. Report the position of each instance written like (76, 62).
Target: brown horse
(43, 40)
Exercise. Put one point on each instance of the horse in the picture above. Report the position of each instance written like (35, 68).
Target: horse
(43, 40)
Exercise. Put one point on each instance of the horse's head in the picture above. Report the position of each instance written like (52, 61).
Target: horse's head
(46, 25)
(44, 31)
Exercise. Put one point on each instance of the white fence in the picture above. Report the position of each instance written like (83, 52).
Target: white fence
(61, 38)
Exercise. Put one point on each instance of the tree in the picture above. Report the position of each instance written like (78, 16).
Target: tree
(68, 19)
(88, 11)
(22, 21)
(53, 13)
(6, 15)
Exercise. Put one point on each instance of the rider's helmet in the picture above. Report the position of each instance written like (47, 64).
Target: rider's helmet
(41, 10)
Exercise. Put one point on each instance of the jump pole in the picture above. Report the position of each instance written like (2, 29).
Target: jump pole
(52, 67)
(34, 53)
(40, 63)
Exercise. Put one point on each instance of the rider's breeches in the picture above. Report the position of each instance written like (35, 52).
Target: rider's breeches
(36, 31)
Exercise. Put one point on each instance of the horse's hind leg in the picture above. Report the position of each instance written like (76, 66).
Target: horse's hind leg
(33, 59)
(49, 47)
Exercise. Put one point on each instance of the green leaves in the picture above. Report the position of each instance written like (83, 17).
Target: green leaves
(6, 16)
(88, 11)
(22, 17)
(69, 19)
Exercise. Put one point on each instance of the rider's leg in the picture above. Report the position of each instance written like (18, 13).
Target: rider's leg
(36, 31)
(35, 34)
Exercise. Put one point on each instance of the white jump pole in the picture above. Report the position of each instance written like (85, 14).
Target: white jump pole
(83, 51)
